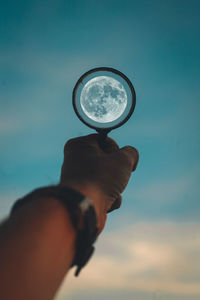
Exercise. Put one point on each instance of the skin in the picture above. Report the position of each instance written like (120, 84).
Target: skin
(37, 243)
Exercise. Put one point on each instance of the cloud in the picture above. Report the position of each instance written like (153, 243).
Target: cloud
(146, 257)
(38, 87)
(169, 190)
(169, 198)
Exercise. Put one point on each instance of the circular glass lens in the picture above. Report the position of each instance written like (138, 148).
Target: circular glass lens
(103, 99)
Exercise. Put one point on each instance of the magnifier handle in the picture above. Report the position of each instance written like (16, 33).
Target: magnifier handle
(102, 139)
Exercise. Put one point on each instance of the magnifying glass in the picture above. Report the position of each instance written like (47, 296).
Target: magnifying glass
(104, 99)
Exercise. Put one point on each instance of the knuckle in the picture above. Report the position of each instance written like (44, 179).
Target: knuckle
(69, 144)
(131, 153)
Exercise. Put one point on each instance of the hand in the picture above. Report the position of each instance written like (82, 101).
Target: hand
(101, 175)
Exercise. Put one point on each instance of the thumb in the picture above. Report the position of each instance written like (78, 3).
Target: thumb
(116, 204)
(132, 155)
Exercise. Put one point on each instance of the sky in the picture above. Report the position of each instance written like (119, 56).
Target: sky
(151, 246)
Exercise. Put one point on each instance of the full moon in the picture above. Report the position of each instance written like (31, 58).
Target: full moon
(103, 99)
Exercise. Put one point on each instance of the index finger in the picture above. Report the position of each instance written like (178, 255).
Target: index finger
(93, 140)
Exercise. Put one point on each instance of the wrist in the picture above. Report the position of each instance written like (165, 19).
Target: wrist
(77, 207)
(97, 198)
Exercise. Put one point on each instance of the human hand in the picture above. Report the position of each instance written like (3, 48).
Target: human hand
(100, 174)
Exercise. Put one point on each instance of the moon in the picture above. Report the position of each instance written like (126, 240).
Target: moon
(103, 99)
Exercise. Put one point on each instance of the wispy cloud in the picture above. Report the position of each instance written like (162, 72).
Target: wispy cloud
(170, 189)
(146, 257)
(41, 91)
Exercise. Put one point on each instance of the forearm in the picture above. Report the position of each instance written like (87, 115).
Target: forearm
(37, 247)
(38, 243)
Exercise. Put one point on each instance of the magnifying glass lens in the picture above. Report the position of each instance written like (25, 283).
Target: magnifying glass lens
(104, 99)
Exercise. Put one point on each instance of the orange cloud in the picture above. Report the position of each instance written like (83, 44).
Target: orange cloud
(145, 257)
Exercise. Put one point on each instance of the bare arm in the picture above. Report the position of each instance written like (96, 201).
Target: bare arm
(37, 243)
(36, 250)
(37, 247)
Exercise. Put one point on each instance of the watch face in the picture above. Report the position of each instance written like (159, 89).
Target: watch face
(104, 98)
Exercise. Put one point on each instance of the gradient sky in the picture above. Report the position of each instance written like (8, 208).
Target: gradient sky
(45, 46)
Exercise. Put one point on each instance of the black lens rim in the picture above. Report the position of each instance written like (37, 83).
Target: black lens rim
(112, 70)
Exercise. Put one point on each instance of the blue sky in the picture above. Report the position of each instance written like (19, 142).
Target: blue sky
(46, 46)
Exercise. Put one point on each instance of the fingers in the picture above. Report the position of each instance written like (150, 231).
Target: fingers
(77, 144)
(116, 204)
(109, 145)
(132, 155)
(92, 140)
